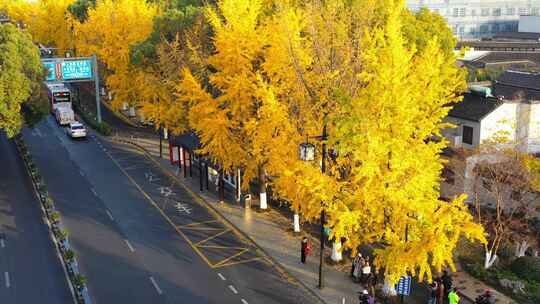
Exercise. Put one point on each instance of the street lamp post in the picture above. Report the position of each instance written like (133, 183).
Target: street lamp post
(307, 153)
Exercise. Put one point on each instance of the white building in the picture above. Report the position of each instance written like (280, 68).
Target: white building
(514, 114)
(480, 18)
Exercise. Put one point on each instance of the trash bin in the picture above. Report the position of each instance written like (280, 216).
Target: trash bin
(246, 200)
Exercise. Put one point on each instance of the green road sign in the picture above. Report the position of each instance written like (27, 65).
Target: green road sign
(66, 69)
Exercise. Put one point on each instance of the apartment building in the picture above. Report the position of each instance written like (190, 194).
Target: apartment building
(477, 19)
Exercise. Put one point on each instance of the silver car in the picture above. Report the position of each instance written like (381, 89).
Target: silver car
(76, 130)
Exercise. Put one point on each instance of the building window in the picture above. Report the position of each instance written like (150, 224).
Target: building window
(473, 12)
(495, 28)
(508, 27)
(496, 12)
(462, 12)
(461, 30)
(535, 11)
(510, 11)
(455, 13)
(467, 135)
(485, 12)
(523, 11)
(484, 28)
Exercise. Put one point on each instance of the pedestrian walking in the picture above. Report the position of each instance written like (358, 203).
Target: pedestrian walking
(453, 297)
(305, 249)
(447, 281)
(440, 291)
(366, 272)
(355, 263)
(432, 293)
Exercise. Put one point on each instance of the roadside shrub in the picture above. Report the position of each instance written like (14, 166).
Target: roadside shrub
(527, 268)
(102, 128)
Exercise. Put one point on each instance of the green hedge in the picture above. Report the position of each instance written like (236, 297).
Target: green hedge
(527, 268)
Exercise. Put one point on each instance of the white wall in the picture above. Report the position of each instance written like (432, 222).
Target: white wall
(459, 123)
(501, 121)
(529, 24)
(534, 129)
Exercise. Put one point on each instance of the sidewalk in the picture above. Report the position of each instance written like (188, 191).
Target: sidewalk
(271, 232)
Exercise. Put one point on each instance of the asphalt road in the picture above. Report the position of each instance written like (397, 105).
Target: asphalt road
(30, 269)
(135, 243)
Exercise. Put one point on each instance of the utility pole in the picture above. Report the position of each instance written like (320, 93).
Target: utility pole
(96, 81)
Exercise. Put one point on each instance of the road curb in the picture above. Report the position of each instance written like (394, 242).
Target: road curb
(48, 224)
(213, 210)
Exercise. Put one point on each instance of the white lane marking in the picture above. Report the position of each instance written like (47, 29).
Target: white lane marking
(104, 150)
(110, 215)
(233, 289)
(6, 277)
(129, 246)
(81, 173)
(244, 301)
(221, 276)
(94, 191)
(2, 243)
(156, 285)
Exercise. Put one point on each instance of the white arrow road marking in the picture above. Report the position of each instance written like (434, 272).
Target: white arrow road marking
(165, 191)
(129, 246)
(6, 277)
(94, 192)
(244, 301)
(221, 276)
(2, 243)
(233, 289)
(159, 291)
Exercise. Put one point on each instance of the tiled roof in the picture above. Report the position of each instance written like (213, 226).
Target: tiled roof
(508, 58)
(474, 107)
(518, 85)
(189, 141)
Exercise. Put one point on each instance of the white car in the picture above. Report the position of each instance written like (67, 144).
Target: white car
(76, 130)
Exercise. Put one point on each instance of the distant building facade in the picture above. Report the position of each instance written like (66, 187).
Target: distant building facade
(477, 19)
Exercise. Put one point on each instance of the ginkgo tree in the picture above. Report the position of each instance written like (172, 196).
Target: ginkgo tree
(108, 31)
(237, 114)
(47, 21)
(384, 186)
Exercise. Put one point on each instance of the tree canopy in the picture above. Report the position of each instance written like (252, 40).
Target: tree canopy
(20, 76)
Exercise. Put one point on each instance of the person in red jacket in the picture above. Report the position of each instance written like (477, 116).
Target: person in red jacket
(305, 249)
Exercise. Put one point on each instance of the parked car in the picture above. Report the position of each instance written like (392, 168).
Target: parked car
(76, 130)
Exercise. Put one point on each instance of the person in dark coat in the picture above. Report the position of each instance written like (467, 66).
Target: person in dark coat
(447, 281)
(440, 291)
(305, 249)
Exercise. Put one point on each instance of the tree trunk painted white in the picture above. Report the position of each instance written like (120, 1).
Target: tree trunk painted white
(131, 112)
(535, 253)
(489, 259)
(165, 133)
(336, 251)
(263, 202)
(110, 98)
(124, 105)
(296, 222)
(521, 248)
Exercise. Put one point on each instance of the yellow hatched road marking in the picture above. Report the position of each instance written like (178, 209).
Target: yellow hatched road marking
(198, 223)
(212, 237)
(231, 257)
